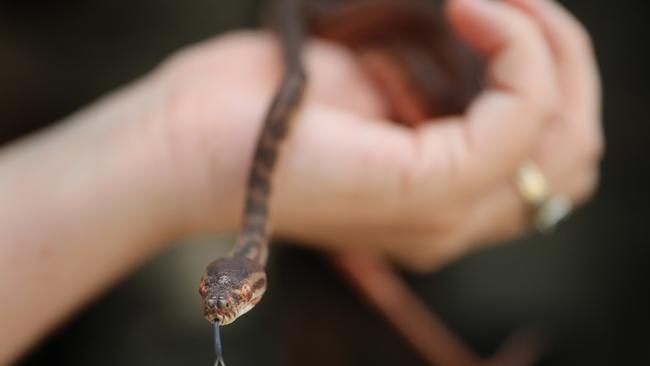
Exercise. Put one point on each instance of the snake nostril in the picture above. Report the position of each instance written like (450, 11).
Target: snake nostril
(212, 303)
(222, 304)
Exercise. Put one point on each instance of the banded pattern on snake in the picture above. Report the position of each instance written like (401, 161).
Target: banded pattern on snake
(423, 73)
(233, 285)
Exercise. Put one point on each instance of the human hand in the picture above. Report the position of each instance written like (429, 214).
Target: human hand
(349, 178)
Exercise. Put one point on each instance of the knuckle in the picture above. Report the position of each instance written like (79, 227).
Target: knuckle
(437, 251)
(543, 103)
(522, 27)
(409, 177)
(508, 229)
(416, 263)
(547, 105)
(595, 149)
(586, 186)
(580, 38)
(541, 108)
(426, 259)
(591, 148)
(439, 244)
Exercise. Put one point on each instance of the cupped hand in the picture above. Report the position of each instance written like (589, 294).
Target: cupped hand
(350, 178)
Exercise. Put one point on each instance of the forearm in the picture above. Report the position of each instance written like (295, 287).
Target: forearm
(82, 204)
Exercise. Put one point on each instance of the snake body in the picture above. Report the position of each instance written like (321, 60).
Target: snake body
(234, 284)
(423, 73)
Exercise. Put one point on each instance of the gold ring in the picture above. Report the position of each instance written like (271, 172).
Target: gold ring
(548, 210)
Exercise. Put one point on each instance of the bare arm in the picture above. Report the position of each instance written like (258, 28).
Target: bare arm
(81, 204)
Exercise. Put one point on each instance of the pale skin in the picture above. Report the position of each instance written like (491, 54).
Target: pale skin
(91, 199)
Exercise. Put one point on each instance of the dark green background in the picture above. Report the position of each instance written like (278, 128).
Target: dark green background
(585, 287)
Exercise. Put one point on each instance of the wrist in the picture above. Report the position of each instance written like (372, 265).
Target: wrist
(211, 122)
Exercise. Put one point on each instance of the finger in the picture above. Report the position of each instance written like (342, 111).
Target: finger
(570, 177)
(503, 214)
(504, 122)
(576, 142)
(571, 170)
(500, 214)
(576, 63)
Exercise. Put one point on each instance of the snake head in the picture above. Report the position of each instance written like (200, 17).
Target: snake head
(230, 287)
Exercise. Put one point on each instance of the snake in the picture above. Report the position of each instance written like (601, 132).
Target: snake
(423, 73)
(231, 286)
(234, 284)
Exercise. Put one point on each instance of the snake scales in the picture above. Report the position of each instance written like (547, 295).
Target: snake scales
(422, 73)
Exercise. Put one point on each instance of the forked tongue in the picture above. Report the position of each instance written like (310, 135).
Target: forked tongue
(217, 344)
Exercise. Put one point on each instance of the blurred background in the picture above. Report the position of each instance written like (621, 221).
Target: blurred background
(586, 286)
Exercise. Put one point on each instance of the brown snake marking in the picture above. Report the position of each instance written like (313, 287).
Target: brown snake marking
(423, 73)
(231, 284)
